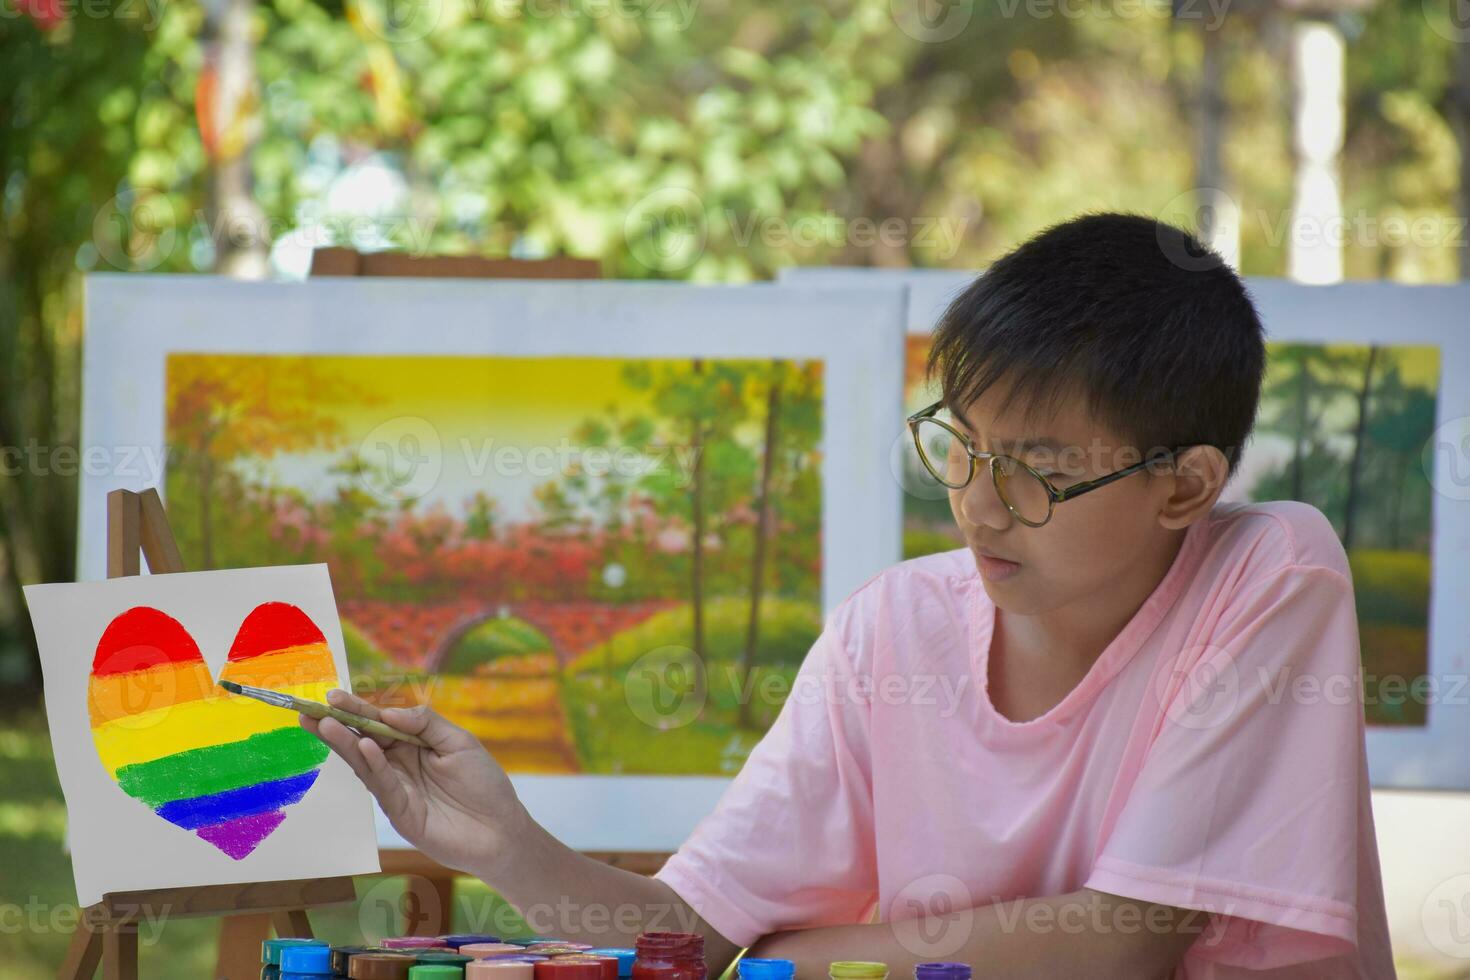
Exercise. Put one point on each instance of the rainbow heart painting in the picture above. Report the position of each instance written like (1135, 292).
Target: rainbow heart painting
(223, 767)
(170, 782)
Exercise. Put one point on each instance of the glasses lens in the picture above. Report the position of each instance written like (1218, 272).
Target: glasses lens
(1022, 490)
(942, 452)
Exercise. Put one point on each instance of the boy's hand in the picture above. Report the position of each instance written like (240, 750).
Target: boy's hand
(451, 800)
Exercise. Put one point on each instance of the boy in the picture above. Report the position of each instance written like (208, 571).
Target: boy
(1129, 781)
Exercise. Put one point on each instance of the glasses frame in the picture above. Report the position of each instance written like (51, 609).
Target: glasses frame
(1054, 495)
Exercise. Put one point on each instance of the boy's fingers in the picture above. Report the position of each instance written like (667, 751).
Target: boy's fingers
(387, 787)
(348, 701)
(423, 721)
(343, 741)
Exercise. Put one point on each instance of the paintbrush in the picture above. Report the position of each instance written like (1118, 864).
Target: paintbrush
(314, 709)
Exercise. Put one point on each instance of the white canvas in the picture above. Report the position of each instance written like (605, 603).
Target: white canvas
(117, 842)
(135, 322)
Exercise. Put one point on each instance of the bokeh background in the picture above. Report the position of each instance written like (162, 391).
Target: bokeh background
(703, 140)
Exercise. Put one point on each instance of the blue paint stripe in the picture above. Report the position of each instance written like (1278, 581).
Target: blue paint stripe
(232, 804)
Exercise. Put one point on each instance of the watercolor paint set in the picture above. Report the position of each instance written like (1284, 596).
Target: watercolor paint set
(656, 956)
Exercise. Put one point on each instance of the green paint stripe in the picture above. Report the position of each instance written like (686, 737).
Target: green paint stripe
(216, 768)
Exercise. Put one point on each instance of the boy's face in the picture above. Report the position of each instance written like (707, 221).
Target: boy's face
(1091, 541)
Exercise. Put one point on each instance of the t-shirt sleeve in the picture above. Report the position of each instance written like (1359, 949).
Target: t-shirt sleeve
(1247, 801)
(790, 844)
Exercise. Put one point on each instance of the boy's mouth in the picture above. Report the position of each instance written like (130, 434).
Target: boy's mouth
(993, 568)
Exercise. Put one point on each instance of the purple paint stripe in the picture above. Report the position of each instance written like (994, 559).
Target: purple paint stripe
(238, 838)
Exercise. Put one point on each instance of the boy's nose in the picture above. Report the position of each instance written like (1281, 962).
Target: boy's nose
(980, 504)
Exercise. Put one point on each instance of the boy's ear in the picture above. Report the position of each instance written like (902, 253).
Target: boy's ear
(1198, 476)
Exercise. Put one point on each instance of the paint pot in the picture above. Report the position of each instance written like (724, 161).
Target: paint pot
(310, 961)
(439, 956)
(569, 968)
(625, 958)
(857, 970)
(436, 971)
(412, 942)
(341, 955)
(524, 940)
(270, 950)
(379, 966)
(457, 941)
(609, 964)
(669, 956)
(755, 968)
(482, 951)
(942, 971)
(503, 969)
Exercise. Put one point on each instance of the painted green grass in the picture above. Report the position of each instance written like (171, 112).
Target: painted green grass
(611, 736)
(630, 704)
(1391, 589)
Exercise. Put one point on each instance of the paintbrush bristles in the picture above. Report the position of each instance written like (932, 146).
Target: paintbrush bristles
(274, 698)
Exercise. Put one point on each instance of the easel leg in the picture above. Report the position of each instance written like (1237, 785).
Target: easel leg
(240, 937)
(292, 924)
(82, 956)
(428, 905)
(120, 952)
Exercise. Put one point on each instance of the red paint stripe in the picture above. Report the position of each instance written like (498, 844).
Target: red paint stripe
(273, 626)
(140, 639)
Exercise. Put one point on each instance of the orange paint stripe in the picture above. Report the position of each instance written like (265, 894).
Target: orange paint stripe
(114, 696)
(291, 667)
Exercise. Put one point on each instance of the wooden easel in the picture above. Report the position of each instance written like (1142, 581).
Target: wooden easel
(108, 932)
(429, 888)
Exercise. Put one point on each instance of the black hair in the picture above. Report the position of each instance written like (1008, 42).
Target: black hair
(1154, 328)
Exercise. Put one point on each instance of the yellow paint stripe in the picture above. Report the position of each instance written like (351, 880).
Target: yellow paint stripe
(193, 725)
(309, 664)
(115, 697)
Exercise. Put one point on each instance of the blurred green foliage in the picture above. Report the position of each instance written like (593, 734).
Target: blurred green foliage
(700, 139)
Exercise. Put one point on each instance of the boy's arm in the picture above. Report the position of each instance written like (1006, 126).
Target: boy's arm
(455, 803)
(1082, 934)
(566, 894)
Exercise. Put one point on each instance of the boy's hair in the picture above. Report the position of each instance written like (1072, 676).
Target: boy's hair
(1156, 330)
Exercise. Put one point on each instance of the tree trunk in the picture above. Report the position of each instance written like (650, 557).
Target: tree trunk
(1218, 217)
(1396, 521)
(206, 479)
(696, 583)
(1298, 460)
(1459, 106)
(762, 532)
(1355, 467)
(237, 225)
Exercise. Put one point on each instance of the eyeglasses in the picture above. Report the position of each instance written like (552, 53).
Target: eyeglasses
(1025, 491)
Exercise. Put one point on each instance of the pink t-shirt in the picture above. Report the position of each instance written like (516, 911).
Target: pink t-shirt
(1211, 758)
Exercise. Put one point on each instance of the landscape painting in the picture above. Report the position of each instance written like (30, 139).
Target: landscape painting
(589, 562)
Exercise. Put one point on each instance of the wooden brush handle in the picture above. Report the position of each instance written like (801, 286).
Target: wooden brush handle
(313, 709)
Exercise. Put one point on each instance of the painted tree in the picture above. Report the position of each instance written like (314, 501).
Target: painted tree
(774, 381)
(222, 409)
